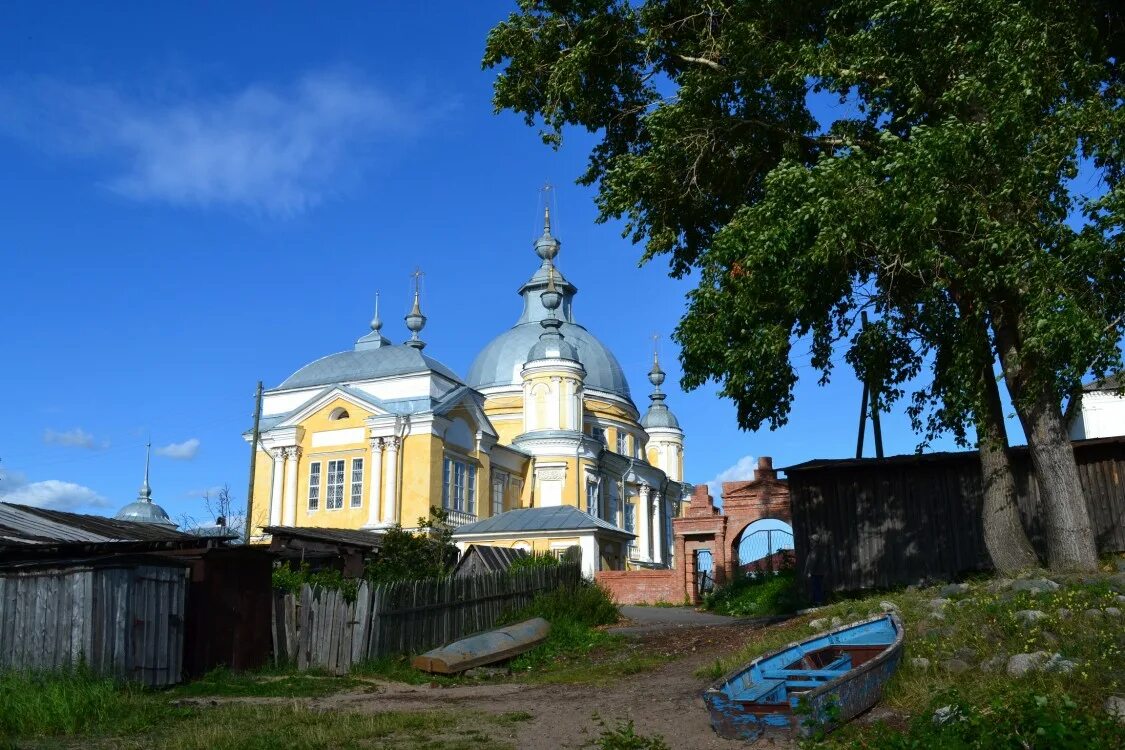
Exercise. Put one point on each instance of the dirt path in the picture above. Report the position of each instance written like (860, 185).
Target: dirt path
(665, 701)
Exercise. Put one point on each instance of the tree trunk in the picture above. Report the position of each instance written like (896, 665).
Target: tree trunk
(1066, 521)
(1004, 535)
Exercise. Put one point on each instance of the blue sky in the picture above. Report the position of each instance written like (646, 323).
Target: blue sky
(199, 196)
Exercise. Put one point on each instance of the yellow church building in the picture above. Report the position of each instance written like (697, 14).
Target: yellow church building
(540, 447)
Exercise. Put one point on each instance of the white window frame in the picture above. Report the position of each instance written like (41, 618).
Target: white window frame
(458, 484)
(622, 443)
(499, 491)
(314, 486)
(357, 483)
(593, 494)
(334, 484)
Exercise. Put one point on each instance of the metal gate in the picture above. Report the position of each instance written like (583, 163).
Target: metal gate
(766, 551)
(704, 571)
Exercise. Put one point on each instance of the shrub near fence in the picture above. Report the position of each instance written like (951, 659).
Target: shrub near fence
(319, 628)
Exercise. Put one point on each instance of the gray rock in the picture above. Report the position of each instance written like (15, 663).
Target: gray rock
(1021, 664)
(1112, 612)
(1120, 564)
(941, 603)
(955, 666)
(953, 589)
(888, 606)
(920, 662)
(1117, 582)
(1035, 586)
(1120, 598)
(997, 585)
(964, 654)
(837, 622)
(995, 664)
(937, 615)
(818, 624)
(1029, 616)
(1093, 614)
(1115, 707)
(1063, 613)
(1058, 664)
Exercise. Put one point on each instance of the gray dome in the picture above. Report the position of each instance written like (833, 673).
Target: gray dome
(501, 361)
(144, 511)
(659, 415)
(367, 364)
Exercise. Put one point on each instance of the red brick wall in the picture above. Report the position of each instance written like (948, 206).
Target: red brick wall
(643, 586)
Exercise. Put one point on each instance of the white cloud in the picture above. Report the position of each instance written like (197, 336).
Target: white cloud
(76, 438)
(272, 150)
(184, 451)
(51, 493)
(742, 470)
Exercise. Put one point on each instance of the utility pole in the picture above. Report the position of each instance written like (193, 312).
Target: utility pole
(871, 394)
(253, 463)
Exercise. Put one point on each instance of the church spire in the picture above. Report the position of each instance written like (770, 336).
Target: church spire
(656, 375)
(415, 320)
(145, 495)
(376, 322)
(547, 246)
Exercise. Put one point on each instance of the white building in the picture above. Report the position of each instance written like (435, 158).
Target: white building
(1100, 411)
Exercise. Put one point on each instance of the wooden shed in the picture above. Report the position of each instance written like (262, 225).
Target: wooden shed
(484, 558)
(122, 616)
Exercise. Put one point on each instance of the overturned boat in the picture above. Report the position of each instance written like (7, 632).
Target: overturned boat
(484, 648)
(810, 686)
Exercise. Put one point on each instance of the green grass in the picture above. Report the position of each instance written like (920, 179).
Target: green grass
(756, 597)
(975, 627)
(283, 682)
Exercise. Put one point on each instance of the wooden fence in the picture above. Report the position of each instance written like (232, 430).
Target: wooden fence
(119, 617)
(898, 520)
(319, 628)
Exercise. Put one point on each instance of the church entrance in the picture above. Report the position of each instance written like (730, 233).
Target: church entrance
(704, 572)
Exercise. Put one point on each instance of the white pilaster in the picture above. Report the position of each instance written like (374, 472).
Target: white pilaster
(278, 455)
(390, 489)
(292, 457)
(554, 412)
(528, 408)
(644, 523)
(657, 528)
(375, 485)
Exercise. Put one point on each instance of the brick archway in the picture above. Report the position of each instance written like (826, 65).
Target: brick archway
(703, 526)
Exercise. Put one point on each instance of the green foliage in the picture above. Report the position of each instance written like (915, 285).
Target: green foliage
(768, 594)
(534, 560)
(287, 578)
(939, 193)
(71, 702)
(405, 555)
(1017, 719)
(587, 604)
(624, 736)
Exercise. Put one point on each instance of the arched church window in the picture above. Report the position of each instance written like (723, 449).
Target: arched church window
(337, 414)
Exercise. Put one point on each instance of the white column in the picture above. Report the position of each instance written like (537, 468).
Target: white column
(292, 456)
(375, 485)
(644, 523)
(657, 528)
(528, 408)
(278, 455)
(390, 489)
(554, 412)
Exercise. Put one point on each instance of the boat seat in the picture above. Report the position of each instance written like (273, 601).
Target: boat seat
(867, 639)
(812, 674)
(758, 690)
(804, 683)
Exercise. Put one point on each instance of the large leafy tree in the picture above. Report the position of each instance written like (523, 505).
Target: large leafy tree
(938, 197)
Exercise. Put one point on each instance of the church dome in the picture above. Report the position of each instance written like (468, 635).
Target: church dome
(144, 511)
(500, 363)
(660, 416)
(367, 364)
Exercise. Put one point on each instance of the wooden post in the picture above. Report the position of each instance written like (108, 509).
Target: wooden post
(253, 461)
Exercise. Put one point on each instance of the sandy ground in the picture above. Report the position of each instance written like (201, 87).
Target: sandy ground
(665, 701)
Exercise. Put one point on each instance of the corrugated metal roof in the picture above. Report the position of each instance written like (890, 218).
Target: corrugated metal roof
(23, 525)
(354, 537)
(556, 518)
(493, 559)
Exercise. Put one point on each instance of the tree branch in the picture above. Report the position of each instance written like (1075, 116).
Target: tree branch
(701, 61)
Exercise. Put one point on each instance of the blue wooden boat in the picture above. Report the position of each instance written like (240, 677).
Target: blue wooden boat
(815, 684)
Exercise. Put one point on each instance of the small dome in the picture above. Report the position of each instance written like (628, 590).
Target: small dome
(552, 348)
(660, 416)
(144, 511)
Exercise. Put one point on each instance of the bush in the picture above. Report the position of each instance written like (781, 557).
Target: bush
(287, 578)
(756, 597)
(534, 560)
(624, 737)
(1023, 720)
(586, 604)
